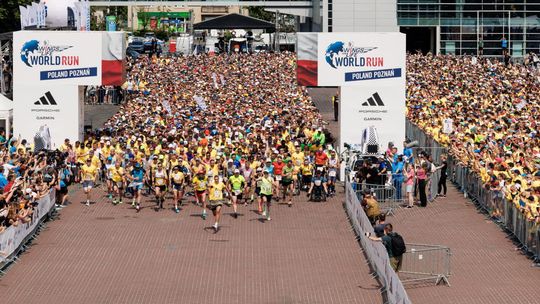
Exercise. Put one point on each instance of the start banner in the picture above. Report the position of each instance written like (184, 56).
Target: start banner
(57, 57)
(352, 58)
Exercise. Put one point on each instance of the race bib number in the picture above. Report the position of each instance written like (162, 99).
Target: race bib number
(218, 194)
(278, 178)
(332, 173)
(318, 182)
(237, 192)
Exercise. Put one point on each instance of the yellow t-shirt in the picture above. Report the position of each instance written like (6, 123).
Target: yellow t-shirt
(298, 158)
(89, 173)
(306, 169)
(200, 184)
(116, 174)
(178, 178)
(216, 191)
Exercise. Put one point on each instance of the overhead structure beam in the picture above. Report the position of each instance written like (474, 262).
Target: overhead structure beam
(278, 4)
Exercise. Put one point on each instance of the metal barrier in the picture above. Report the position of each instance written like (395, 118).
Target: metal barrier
(384, 194)
(505, 213)
(393, 290)
(425, 263)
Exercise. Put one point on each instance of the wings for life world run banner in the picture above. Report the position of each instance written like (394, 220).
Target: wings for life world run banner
(370, 69)
(49, 67)
(351, 58)
(57, 57)
(79, 58)
(335, 59)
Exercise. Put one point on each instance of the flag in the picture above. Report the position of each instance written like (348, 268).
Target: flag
(33, 14)
(306, 70)
(24, 16)
(113, 55)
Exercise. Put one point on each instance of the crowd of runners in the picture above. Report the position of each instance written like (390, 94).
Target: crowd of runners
(495, 110)
(220, 129)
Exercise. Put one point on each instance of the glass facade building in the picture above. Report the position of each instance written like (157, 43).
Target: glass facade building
(467, 26)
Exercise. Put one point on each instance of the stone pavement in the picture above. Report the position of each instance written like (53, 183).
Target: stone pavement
(111, 254)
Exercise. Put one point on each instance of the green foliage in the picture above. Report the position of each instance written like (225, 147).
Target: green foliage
(10, 17)
(259, 13)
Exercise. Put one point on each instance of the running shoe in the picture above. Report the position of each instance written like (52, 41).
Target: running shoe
(204, 216)
(264, 213)
(120, 202)
(290, 204)
(176, 210)
(87, 203)
(114, 202)
(268, 218)
(216, 227)
(133, 204)
(235, 215)
(138, 208)
(110, 196)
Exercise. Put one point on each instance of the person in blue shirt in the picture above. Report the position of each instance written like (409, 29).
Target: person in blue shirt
(318, 183)
(136, 177)
(408, 152)
(397, 175)
(269, 167)
(3, 181)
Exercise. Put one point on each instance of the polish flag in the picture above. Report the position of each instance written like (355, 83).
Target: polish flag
(113, 59)
(306, 68)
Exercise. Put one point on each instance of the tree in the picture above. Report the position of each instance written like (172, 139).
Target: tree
(10, 16)
(97, 22)
(259, 13)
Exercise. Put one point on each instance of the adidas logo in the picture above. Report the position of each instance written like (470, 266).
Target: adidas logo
(46, 100)
(375, 100)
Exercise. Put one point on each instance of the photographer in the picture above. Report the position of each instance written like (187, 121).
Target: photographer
(371, 207)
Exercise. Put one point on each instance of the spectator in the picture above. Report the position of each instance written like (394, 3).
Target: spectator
(421, 177)
(371, 206)
(500, 131)
(394, 244)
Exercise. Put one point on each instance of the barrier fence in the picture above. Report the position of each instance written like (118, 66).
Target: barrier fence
(393, 289)
(424, 262)
(384, 194)
(14, 237)
(469, 182)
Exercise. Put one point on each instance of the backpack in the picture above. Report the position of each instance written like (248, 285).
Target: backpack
(397, 244)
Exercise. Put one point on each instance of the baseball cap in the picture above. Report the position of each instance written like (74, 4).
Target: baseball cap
(236, 171)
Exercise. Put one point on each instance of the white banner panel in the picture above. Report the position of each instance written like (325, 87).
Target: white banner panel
(59, 57)
(355, 58)
(372, 115)
(52, 107)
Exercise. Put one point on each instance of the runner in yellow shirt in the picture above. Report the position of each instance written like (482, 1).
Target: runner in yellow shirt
(88, 178)
(216, 189)
(200, 183)
(118, 180)
(236, 186)
(177, 185)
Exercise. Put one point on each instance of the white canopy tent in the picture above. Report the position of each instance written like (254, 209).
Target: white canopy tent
(6, 114)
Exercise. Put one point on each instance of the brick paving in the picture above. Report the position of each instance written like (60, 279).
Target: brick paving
(111, 254)
(485, 265)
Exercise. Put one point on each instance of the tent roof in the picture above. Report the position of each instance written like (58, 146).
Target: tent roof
(5, 103)
(232, 22)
